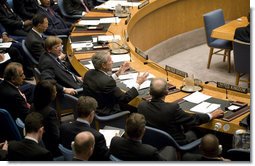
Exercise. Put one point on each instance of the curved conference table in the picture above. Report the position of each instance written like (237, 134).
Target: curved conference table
(145, 33)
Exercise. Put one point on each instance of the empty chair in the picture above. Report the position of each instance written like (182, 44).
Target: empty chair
(30, 57)
(212, 20)
(65, 15)
(239, 154)
(241, 59)
(8, 127)
(114, 120)
(160, 139)
(67, 153)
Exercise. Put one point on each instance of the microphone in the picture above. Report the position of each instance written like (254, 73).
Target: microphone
(207, 82)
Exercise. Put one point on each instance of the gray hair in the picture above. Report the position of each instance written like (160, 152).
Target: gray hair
(11, 71)
(99, 58)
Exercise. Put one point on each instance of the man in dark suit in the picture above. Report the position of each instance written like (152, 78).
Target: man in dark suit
(98, 84)
(26, 9)
(243, 33)
(83, 146)
(78, 7)
(28, 149)
(34, 40)
(51, 67)
(169, 117)
(86, 107)
(56, 25)
(131, 148)
(12, 99)
(13, 24)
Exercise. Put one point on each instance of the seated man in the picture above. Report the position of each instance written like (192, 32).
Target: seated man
(86, 107)
(12, 99)
(83, 146)
(28, 149)
(131, 147)
(56, 26)
(13, 24)
(98, 84)
(51, 67)
(26, 9)
(78, 7)
(169, 117)
(243, 33)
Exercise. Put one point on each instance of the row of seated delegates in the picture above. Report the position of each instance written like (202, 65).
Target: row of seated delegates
(169, 117)
(16, 54)
(79, 7)
(210, 150)
(25, 8)
(131, 148)
(86, 107)
(51, 67)
(29, 148)
(13, 24)
(56, 25)
(12, 98)
(243, 33)
(83, 146)
(100, 84)
(44, 93)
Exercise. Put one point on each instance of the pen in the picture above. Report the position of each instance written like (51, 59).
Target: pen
(209, 105)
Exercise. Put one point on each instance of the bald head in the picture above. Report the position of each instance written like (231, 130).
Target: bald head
(83, 145)
(210, 145)
(158, 88)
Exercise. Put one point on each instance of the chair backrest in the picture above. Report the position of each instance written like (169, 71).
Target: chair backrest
(67, 153)
(37, 74)
(63, 12)
(212, 20)
(115, 120)
(8, 127)
(241, 56)
(239, 154)
(10, 3)
(29, 55)
(113, 158)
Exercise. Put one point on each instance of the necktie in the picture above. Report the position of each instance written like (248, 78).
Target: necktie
(85, 6)
(23, 95)
(66, 69)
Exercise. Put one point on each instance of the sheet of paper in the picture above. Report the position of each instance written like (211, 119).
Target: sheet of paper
(109, 134)
(6, 57)
(5, 45)
(108, 37)
(196, 97)
(81, 45)
(88, 22)
(110, 20)
(112, 3)
(131, 82)
(120, 58)
(205, 107)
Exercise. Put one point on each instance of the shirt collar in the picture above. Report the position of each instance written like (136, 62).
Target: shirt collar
(82, 121)
(40, 34)
(30, 138)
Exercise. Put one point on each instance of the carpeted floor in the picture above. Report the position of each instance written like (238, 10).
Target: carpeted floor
(194, 61)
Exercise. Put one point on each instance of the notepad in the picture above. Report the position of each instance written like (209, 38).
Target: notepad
(196, 97)
(205, 107)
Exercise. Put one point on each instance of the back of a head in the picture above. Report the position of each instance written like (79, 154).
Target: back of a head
(99, 58)
(85, 106)
(33, 122)
(38, 19)
(135, 126)
(11, 71)
(158, 88)
(209, 146)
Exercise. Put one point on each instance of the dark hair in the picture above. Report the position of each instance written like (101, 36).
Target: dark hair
(158, 89)
(33, 122)
(38, 19)
(44, 93)
(85, 106)
(135, 125)
(11, 71)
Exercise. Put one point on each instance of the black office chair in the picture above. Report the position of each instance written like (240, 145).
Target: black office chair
(160, 139)
(241, 60)
(239, 154)
(8, 127)
(212, 20)
(67, 153)
(115, 120)
(71, 18)
(29, 56)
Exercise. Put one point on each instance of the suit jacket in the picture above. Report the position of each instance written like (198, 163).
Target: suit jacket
(13, 101)
(51, 69)
(56, 26)
(27, 150)
(103, 88)
(51, 128)
(25, 8)
(243, 34)
(10, 20)
(35, 44)
(170, 118)
(129, 150)
(68, 131)
(75, 7)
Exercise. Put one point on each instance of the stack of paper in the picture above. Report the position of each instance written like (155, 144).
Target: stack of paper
(109, 134)
(205, 107)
